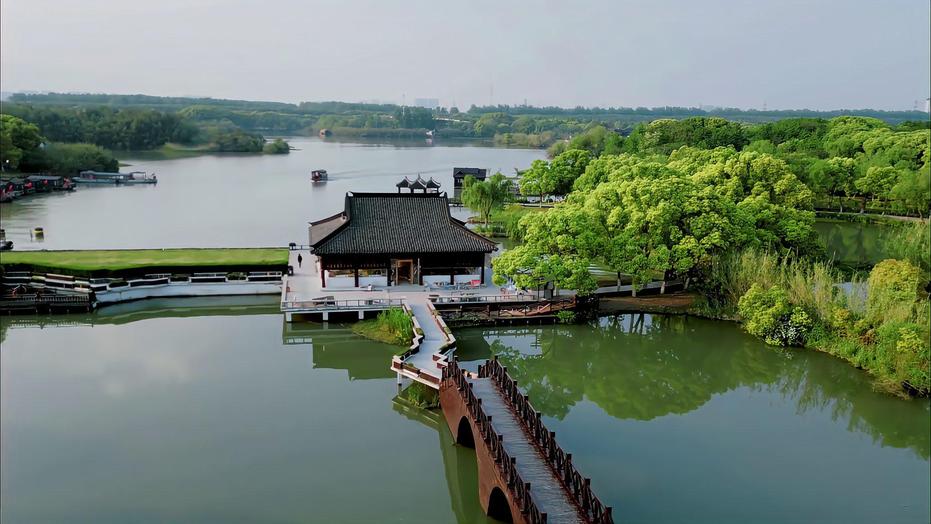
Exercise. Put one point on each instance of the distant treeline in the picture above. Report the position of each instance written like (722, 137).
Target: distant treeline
(136, 129)
(139, 121)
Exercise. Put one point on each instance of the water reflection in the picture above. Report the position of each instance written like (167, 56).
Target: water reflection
(459, 463)
(852, 243)
(193, 411)
(642, 367)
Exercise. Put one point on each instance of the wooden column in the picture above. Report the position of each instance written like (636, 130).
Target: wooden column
(388, 272)
(356, 274)
(452, 276)
(483, 273)
(419, 273)
(322, 275)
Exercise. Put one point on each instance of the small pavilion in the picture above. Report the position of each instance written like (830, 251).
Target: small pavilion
(387, 239)
(419, 184)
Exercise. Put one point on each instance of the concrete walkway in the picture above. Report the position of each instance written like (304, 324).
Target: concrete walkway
(433, 337)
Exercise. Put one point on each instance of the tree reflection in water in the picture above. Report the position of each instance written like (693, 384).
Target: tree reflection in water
(642, 367)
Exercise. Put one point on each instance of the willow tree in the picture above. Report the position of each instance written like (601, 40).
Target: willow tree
(484, 197)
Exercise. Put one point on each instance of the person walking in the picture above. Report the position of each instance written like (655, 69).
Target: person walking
(299, 260)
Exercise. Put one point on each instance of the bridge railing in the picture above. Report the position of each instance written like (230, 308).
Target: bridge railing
(506, 465)
(578, 487)
(329, 304)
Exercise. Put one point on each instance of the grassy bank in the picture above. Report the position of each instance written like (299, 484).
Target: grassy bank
(114, 262)
(393, 326)
(880, 324)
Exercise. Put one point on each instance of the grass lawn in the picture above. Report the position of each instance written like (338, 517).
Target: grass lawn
(109, 261)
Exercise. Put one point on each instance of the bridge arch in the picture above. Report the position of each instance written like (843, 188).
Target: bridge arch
(498, 507)
(464, 436)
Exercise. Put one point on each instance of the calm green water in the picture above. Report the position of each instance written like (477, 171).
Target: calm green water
(235, 200)
(686, 420)
(195, 410)
(188, 410)
(851, 243)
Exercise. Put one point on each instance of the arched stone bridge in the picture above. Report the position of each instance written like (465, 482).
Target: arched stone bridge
(523, 474)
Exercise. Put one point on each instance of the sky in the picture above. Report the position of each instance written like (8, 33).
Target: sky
(779, 54)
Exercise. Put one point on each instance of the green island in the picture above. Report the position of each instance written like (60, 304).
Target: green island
(729, 209)
(392, 326)
(123, 261)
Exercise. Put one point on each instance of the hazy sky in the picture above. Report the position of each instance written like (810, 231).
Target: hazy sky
(786, 54)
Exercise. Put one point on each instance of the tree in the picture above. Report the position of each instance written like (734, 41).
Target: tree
(17, 138)
(877, 182)
(276, 147)
(70, 159)
(486, 196)
(538, 180)
(567, 167)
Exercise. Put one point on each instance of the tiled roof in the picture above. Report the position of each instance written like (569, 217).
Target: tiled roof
(382, 223)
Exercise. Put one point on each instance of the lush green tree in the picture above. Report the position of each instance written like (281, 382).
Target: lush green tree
(538, 180)
(70, 159)
(491, 123)
(567, 168)
(237, 141)
(913, 191)
(17, 138)
(833, 176)
(877, 182)
(276, 147)
(412, 118)
(846, 134)
(665, 135)
(486, 196)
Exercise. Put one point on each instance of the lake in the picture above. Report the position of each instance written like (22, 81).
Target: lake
(215, 410)
(237, 200)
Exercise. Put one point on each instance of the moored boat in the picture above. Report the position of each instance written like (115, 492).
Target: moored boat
(98, 177)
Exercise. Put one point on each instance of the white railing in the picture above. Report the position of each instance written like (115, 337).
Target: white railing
(330, 304)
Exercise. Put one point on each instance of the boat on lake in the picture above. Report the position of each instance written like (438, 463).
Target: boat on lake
(99, 177)
(318, 175)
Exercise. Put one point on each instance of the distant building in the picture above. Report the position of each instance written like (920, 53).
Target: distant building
(429, 103)
(459, 174)
(419, 184)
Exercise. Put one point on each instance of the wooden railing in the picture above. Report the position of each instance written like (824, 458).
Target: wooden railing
(505, 464)
(578, 487)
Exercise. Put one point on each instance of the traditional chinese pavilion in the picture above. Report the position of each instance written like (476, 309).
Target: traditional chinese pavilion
(386, 239)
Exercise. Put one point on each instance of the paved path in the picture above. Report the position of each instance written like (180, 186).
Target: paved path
(433, 336)
(547, 492)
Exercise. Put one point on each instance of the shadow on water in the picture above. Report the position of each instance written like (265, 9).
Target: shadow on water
(642, 367)
(458, 462)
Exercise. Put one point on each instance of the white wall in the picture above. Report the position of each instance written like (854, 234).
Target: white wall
(349, 281)
(444, 279)
(340, 282)
(187, 289)
(465, 279)
(435, 279)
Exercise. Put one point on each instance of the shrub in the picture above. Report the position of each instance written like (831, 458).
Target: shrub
(565, 316)
(893, 289)
(397, 321)
(421, 396)
(769, 314)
